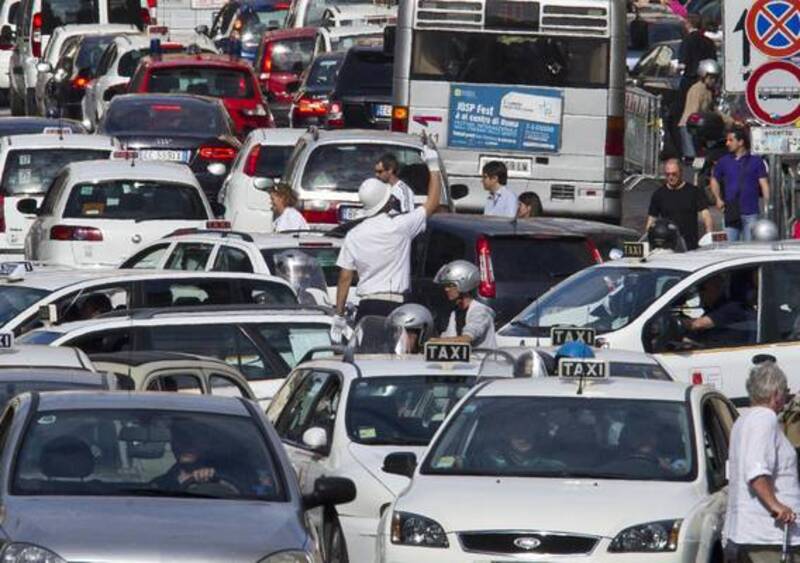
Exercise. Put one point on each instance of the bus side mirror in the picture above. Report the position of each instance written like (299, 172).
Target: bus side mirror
(389, 33)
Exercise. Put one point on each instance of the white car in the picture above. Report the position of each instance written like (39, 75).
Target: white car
(344, 15)
(340, 39)
(240, 252)
(97, 213)
(28, 164)
(264, 153)
(119, 61)
(61, 39)
(38, 356)
(263, 342)
(341, 417)
(8, 21)
(559, 469)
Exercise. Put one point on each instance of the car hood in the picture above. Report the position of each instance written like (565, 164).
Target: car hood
(556, 505)
(371, 459)
(154, 529)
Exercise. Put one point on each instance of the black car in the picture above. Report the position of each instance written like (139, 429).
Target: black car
(194, 130)
(362, 97)
(34, 125)
(518, 259)
(312, 94)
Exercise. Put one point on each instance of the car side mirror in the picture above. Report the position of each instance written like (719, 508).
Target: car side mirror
(28, 206)
(44, 67)
(315, 438)
(329, 491)
(202, 29)
(400, 463)
(459, 191)
(263, 184)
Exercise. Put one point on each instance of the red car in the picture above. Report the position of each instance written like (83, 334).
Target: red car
(282, 57)
(217, 76)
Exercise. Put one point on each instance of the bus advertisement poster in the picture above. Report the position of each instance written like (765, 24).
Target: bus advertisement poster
(504, 118)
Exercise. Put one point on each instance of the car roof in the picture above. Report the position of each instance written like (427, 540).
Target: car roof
(33, 355)
(54, 141)
(141, 357)
(123, 170)
(610, 388)
(367, 136)
(354, 30)
(204, 60)
(291, 33)
(495, 226)
(73, 29)
(277, 136)
(52, 375)
(391, 365)
(361, 9)
(142, 40)
(80, 400)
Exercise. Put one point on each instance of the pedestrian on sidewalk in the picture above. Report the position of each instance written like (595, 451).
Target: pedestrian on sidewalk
(738, 181)
(681, 203)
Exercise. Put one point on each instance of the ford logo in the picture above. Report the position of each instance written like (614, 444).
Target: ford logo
(527, 543)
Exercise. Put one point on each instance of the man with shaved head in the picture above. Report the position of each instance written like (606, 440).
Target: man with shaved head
(680, 202)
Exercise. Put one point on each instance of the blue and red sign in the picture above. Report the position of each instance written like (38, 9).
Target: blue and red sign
(773, 27)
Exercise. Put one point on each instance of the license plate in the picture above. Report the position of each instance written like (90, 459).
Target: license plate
(348, 213)
(172, 156)
(382, 111)
(517, 167)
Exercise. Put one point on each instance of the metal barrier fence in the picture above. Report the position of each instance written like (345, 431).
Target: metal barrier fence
(642, 132)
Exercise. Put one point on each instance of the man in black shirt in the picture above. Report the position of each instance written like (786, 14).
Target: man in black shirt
(680, 202)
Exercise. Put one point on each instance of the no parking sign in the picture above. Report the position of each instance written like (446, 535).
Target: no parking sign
(773, 27)
(773, 93)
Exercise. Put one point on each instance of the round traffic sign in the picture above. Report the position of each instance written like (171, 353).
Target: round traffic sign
(773, 93)
(773, 27)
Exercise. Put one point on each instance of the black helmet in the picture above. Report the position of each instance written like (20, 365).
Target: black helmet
(663, 234)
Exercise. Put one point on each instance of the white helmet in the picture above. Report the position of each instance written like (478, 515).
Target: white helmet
(373, 195)
(412, 316)
(708, 66)
(764, 230)
(464, 275)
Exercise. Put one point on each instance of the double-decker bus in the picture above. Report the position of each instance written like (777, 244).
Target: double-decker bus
(538, 85)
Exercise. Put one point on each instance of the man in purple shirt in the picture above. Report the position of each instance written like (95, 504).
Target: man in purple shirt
(742, 178)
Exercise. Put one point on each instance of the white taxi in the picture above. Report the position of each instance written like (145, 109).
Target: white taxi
(98, 213)
(342, 416)
(567, 469)
(28, 164)
(704, 314)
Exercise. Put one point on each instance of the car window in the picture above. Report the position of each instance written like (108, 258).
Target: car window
(105, 60)
(91, 49)
(176, 382)
(191, 256)
(366, 73)
(15, 299)
(272, 159)
(325, 256)
(263, 292)
(135, 200)
(148, 258)
(231, 259)
(546, 260)
(13, 10)
(292, 55)
(99, 342)
(56, 13)
(187, 292)
(341, 43)
(30, 171)
(292, 342)
(225, 386)
(296, 417)
(91, 302)
(780, 313)
(126, 11)
(209, 81)
(715, 438)
(322, 75)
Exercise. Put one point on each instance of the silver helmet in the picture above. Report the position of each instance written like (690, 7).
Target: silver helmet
(708, 66)
(764, 230)
(464, 275)
(412, 316)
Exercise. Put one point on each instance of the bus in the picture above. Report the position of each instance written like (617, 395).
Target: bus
(538, 85)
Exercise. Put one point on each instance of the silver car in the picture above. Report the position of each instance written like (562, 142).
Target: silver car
(146, 477)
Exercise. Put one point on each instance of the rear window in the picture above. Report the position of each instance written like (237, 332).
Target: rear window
(367, 72)
(137, 200)
(92, 48)
(56, 13)
(137, 115)
(344, 42)
(292, 55)
(216, 82)
(523, 259)
(31, 171)
(322, 75)
(272, 160)
(326, 256)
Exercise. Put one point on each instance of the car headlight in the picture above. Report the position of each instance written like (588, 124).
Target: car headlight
(413, 529)
(27, 553)
(289, 557)
(649, 537)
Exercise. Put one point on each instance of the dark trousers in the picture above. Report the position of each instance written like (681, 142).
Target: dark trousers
(376, 307)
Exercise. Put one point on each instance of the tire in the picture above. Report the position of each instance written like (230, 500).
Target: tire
(17, 106)
(334, 546)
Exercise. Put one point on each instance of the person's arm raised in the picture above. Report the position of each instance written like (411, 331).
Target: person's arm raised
(434, 182)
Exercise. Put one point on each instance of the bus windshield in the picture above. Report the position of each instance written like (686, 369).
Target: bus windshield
(574, 62)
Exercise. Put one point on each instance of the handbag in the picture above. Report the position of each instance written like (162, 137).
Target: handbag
(733, 209)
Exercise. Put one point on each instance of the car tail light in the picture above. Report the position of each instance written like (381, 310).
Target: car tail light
(594, 251)
(307, 106)
(36, 40)
(400, 119)
(319, 211)
(70, 232)
(251, 163)
(266, 63)
(217, 153)
(615, 136)
(697, 378)
(145, 16)
(487, 286)
(218, 224)
(335, 117)
(80, 82)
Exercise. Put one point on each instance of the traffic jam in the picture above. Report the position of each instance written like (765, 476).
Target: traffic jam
(447, 281)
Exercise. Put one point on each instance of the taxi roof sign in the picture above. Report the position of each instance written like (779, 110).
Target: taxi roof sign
(57, 131)
(562, 334)
(438, 351)
(583, 368)
(6, 340)
(632, 249)
(8, 268)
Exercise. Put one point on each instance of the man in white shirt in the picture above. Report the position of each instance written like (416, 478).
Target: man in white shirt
(763, 490)
(470, 321)
(386, 169)
(502, 201)
(379, 248)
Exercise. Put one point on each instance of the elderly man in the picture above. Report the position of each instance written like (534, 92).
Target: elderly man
(763, 493)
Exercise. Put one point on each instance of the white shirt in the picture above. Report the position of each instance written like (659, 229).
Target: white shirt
(290, 220)
(758, 447)
(379, 249)
(404, 195)
(502, 203)
(479, 324)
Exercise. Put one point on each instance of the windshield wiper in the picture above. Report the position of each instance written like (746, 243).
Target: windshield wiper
(151, 492)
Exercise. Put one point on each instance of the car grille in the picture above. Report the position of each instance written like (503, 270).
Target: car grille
(526, 542)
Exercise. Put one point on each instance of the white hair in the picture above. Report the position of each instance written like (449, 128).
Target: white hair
(764, 381)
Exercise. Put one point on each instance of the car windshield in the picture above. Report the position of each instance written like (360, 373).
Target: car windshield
(138, 200)
(570, 437)
(325, 255)
(291, 55)
(322, 75)
(39, 383)
(123, 452)
(604, 298)
(56, 13)
(92, 48)
(366, 73)
(401, 410)
(14, 299)
(201, 81)
(344, 166)
(30, 171)
(133, 116)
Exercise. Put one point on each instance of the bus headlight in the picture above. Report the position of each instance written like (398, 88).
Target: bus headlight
(649, 537)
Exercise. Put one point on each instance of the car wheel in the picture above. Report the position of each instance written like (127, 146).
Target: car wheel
(17, 105)
(335, 546)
